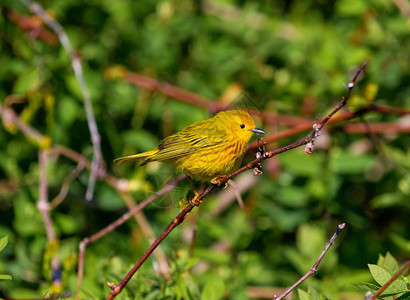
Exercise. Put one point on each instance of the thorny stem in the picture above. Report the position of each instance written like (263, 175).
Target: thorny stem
(116, 289)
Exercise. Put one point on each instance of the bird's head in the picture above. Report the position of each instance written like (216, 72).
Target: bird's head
(240, 123)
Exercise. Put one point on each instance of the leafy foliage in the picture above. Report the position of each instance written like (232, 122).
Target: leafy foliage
(291, 57)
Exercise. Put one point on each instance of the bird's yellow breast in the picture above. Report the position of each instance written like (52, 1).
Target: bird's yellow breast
(209, 163)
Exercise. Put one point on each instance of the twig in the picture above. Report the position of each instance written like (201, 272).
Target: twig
(305, 126)
(44, 208)
(244, 182)
(65, 186)
(163, 87)
(116, 289)
(87, 241)
(382, 128)
(315, 266)
(392, 279)
(237, 194)
(97, 162)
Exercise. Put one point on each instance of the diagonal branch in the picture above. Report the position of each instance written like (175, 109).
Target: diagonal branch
(132, 211)
(316, 265)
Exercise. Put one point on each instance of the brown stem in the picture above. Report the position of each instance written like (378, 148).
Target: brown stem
(125, 217)
(116, 289)
(315, 266)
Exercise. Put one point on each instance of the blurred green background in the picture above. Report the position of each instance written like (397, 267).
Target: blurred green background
(291, 57)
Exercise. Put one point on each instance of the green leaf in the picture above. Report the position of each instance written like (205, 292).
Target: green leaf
(3, 242)
(390, 263)
(5, 277)
(379, 274)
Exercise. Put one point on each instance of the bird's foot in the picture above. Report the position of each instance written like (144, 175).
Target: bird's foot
(217, 181)
(195, 201)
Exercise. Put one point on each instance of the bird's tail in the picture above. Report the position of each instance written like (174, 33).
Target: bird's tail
(144, 155)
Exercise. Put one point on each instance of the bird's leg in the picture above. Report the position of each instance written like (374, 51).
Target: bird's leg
(216, 181)
(194, 200)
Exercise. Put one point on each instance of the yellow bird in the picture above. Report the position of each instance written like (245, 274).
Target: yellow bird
(206, 149)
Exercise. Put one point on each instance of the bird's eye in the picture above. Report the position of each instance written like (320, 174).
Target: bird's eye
(242, 126)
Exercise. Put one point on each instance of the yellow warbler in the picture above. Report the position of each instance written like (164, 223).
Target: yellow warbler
(206, 149)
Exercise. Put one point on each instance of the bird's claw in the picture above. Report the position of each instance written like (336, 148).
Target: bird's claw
(217, 181)
(195, 201)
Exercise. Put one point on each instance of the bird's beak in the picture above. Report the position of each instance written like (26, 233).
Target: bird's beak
(257, 130)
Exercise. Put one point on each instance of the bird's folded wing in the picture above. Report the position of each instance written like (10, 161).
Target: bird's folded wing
(185, 143)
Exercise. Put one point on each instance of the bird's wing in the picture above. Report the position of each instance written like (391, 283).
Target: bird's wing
(189, 140)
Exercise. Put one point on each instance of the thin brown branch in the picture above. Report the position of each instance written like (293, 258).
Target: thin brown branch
(97, 162)
(132, 211)
(378, 128)
(315, 266)
(392, 279)
(65, 186)
(347, 115)
(167, 89)
(116, 289)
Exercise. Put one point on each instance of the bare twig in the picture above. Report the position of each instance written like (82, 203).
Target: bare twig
(116, 289)
(315, 266)
(237, 194)
(305, 126)
(392, 279)
(44, 208)
(66, 184)
(132, 211)
(381, 128)
(163, 87)
(97, 162)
